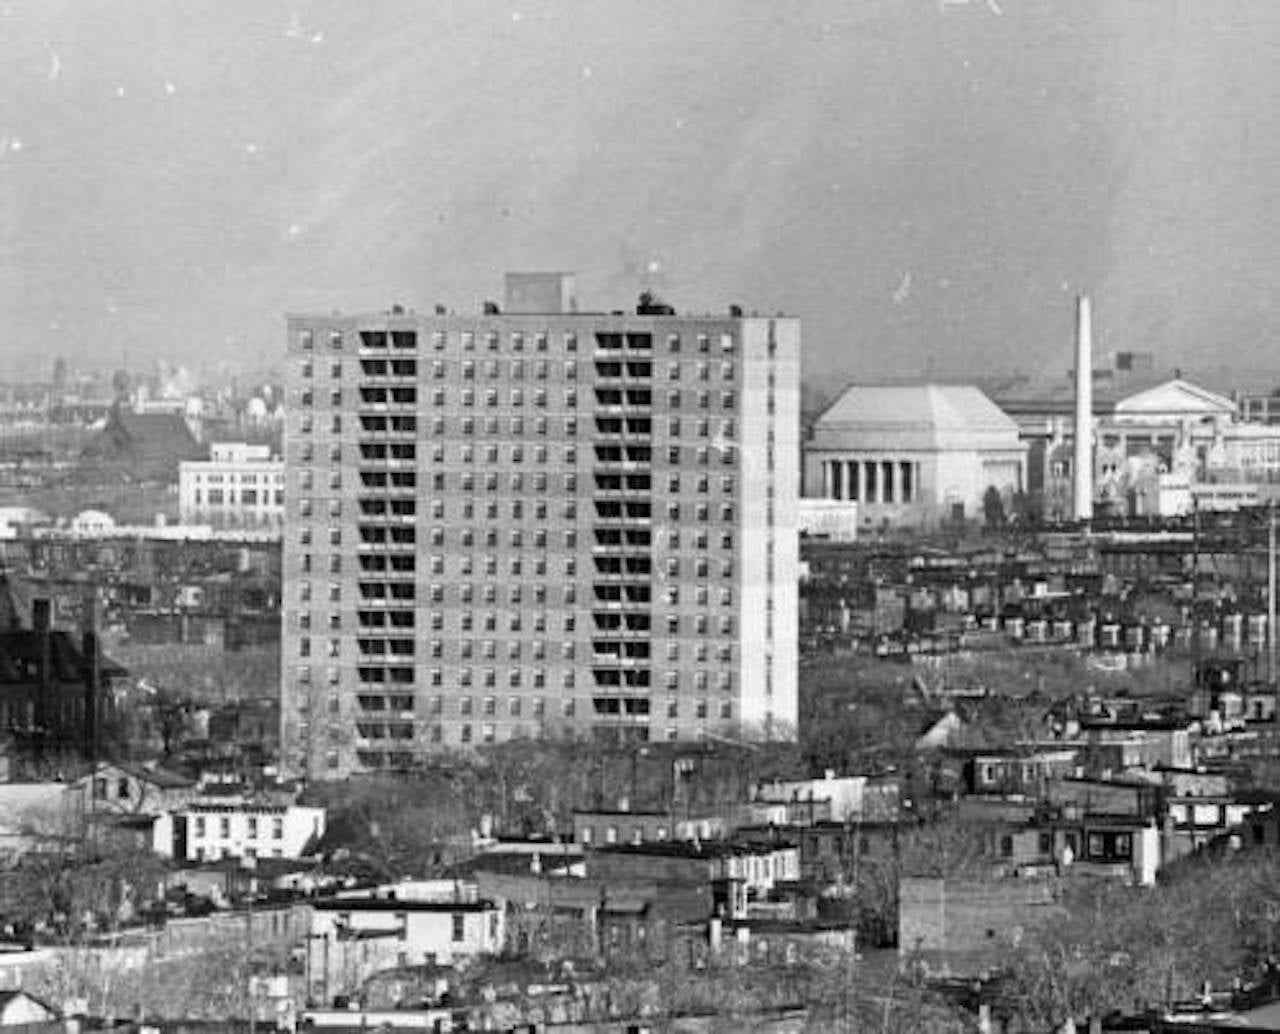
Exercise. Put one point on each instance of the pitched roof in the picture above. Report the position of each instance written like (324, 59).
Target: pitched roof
(155, 441)
(156, 776)
(22, 649)
(1176, 397)
(914, 416)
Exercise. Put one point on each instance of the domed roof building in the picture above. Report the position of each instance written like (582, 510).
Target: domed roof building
(914, 455)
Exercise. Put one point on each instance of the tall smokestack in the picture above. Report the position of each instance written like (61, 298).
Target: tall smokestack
(1083, 494)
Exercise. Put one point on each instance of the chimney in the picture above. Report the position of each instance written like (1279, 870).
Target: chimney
(1083, 464)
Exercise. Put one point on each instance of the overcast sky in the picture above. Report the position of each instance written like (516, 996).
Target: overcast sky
(926, 183)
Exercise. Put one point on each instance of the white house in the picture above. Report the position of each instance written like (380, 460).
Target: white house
(211, 829)
(354, 935)
(845, 793)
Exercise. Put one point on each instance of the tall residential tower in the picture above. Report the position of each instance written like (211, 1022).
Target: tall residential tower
(537, 521)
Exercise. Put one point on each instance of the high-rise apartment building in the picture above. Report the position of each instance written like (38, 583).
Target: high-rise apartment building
(537, 521)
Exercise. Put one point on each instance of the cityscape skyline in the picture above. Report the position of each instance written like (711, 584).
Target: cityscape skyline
(536, 515)
(952, 173)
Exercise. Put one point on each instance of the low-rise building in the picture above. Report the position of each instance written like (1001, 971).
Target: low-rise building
(607, 826)
(1017, 771)
(354, 935)
(1120, 847)
(832, 852)
(828, 520)
(135, 789)
(739, 873)
(1081, 796)
(211, 828)
(846, 798)
(1112, 747)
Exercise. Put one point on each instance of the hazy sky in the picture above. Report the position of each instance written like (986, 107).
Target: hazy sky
(922, 181)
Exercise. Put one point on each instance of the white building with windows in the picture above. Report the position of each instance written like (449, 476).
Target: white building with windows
(914, 455)
(210, 830)
(239, 486)
(357, 934)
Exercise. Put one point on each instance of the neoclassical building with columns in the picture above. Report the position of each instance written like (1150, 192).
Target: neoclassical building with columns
(913, 455)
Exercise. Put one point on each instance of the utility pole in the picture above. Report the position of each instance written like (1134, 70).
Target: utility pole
(1271, 595)
(246, 873)
(1195, 590)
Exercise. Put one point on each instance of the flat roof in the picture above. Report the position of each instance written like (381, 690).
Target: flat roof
(362, 904)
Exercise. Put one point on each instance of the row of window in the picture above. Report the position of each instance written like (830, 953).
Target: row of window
(490, 649)
(701, 595)
(672, 625)
(541, 426)
(224, 827)
(466, 340)
(698, 567)
(372, 452)
(516, 369)
(231, 479)
(516, 678)
(406, 591)
(672, 538)
(467, 734)
(515, 398)
(469, 482)
(245, 497)
(517, 426)
(516, 707)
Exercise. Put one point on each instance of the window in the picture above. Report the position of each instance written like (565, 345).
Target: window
(459, 919)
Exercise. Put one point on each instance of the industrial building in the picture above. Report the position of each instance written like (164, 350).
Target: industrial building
(537, 521)
(913, 455)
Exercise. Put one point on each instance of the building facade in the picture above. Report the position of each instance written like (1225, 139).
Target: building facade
(239, 486)
(357, 934)
(913, 455)
(209, 830)
(1159, 451)
(537, 521)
